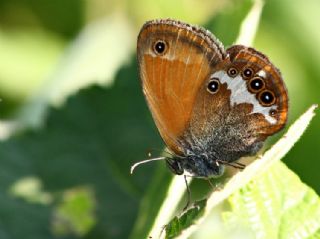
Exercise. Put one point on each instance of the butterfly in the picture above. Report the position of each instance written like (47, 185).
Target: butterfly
(211, 105)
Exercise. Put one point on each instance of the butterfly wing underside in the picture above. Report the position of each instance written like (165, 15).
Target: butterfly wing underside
(172, 80)
(234, 121)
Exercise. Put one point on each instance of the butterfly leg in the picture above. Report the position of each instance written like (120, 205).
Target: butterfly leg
(188, 193)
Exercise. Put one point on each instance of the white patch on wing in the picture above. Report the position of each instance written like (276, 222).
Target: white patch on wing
(169, 57)
(262, 74)
(240, 94)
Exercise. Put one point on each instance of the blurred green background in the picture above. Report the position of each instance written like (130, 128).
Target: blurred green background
(73, 118)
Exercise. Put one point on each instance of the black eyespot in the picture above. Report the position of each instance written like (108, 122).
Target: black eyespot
(247, 72)
(267, 98)
(232, 72)
(213, 85)
(160, 47)
(256, 84)
(273, 112)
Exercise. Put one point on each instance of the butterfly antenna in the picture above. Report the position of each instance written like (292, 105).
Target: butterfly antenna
(145, 161)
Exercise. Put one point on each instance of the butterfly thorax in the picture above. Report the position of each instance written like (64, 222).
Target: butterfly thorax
(201, 165)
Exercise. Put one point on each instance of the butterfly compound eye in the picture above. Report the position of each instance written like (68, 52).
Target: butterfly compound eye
(267, 98)
(160, 47)
(213, 85)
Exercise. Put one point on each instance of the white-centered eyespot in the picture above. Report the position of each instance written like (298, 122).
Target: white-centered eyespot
(256, 84)
(213, 85)
(160, 47)
(247, 73)
(232, 72)
(267, 98)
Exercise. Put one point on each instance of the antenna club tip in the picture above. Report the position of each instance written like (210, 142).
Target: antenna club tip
(144, 161)
(131, 170)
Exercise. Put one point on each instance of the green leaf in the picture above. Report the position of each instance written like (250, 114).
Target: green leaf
(90, 142)
(186, 220)
(276, 205)
(94, 57)
(75, 213)
(225, 26)
(56, 16)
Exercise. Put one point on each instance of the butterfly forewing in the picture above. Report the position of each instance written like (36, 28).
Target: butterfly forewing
(172, 77)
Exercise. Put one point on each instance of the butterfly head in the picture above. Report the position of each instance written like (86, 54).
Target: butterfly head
(199, 165)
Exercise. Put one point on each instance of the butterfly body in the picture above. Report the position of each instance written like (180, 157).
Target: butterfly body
(211, 106)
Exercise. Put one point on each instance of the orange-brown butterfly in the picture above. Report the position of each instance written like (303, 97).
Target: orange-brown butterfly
(211, 105)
